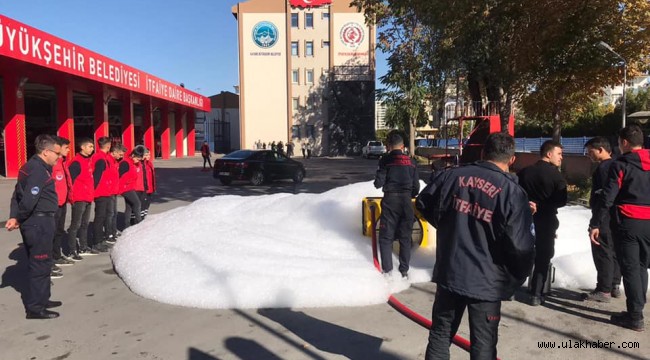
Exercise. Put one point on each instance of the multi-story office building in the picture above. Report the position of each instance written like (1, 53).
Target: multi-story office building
(306, 73)
(380, 115)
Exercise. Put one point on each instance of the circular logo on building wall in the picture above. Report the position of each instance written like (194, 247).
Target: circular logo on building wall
(352, 35)
(265, 34)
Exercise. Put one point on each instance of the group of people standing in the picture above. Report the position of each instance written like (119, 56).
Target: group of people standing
(49, 181)
(306, 147)
(495, 229)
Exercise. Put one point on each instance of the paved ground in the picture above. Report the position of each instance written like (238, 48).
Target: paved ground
(102, 319)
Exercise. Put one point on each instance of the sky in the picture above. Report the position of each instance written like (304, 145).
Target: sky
(286, 250)
(193, 41)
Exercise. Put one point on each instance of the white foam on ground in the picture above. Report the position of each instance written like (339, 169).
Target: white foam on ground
(286, 250)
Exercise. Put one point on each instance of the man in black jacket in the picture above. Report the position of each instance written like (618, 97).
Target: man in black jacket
(602, 248)
(34, 204)
(485, 246)
(627, 199)
(547, 188)
(397, 175)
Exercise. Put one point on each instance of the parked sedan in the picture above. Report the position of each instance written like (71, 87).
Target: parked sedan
(257, 166)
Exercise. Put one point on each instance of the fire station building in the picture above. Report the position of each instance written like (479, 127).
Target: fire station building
(51, 86)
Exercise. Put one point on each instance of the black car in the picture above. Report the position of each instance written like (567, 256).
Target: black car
(257, 166)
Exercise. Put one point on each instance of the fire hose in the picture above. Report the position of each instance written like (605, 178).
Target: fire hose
(401, 308)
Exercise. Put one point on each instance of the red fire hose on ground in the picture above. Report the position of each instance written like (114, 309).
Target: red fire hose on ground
(401, 308)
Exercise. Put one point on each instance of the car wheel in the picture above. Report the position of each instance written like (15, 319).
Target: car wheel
(257, 178)
(225, 180)
(299, 176)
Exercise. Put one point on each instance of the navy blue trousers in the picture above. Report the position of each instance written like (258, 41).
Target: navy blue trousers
(38, 238)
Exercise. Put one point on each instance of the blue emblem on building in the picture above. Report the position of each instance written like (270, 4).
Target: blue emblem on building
(265, 34)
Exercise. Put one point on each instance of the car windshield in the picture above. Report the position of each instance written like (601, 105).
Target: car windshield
(239, 155)
(375, 143)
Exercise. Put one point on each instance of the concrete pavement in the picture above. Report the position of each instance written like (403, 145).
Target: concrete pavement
(102, 319)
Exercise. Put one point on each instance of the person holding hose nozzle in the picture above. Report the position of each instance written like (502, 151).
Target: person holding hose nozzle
(485, 246)
(397, 175)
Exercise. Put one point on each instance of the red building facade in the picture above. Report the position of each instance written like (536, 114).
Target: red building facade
(52, 86)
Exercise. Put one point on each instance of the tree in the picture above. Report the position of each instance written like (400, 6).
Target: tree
(539, 52)
(571, 69)
(406, 90)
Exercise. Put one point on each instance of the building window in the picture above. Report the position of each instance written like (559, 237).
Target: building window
(325, 15)
(295, 104)
(325, 44)
(309, 48)
(295, 132)
(295, 77)
(310, 131)
(309, 74)
(294, 20)
(309, 20)
(294, 48)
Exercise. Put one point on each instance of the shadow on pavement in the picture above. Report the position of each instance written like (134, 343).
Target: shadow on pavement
(328, 337)
(15, 275)
(196, 354)
(248, 349)
(571, 335)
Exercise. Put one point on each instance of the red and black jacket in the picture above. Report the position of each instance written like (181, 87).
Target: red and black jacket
(205, 150)
(626, 189)
(103, 181)
(397, 173)
(62, 181)
(129, 173)
(150, 174)
(81, 176)
(114, 172)
(141, 179)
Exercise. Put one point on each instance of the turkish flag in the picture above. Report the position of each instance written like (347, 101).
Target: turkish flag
(309, 3)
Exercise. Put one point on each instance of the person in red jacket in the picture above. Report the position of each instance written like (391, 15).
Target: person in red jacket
(205, 152)
(116, 155)
(129, 171)
(81, 176)
(103, 182)
(150, 177)
(141, 184)
(63, 188)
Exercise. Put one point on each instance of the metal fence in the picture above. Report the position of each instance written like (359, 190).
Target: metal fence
(572, 145)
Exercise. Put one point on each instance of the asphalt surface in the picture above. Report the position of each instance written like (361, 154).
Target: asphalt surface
(102, 319)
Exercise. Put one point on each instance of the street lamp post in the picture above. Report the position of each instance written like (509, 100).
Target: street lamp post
(605, 46)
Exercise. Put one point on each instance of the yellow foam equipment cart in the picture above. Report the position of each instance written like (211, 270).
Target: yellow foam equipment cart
(420, 235)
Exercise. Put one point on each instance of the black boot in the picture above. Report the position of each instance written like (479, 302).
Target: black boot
(43, 314)
(52, 304)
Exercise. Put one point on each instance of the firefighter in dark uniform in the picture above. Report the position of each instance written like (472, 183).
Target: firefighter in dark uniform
(485, 246)
(397, 175)
(34, 204)
(627, 199)
(602, 246)
(547, 188)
